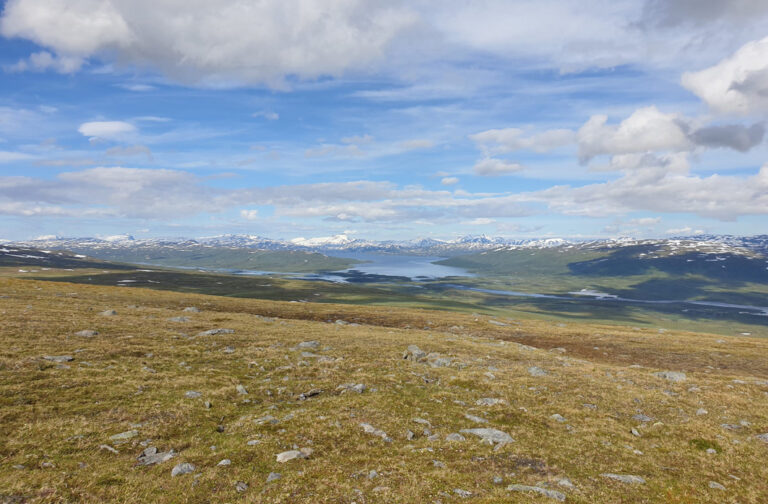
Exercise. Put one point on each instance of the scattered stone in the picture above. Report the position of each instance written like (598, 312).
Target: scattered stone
(108, 313)
(475, 419)
(109, 449)
(253, 442)
(455, 436)
(464, 494)
(414, 353)
(372, 474)
(208, 405)
(673, 376)
(88, 333)
(490, 435)
(537, 371)
(214, 332)
(711, 451)
(716, 486)
(498, 480)
(635, 432)
(224, 463)
(191, 309)
(241, 390)
(497, 323)
(701, 411)
(489, 401)
(290, 455)
(273, 476)
(58, 358)
(150, 456)
(625, 478)
(241, 486)
(370, 429)
(436, 360)
(229, 350)
(566, 483)
(762, 437)
(307, 395)
(642, 418)
(438, 464)
(124, 436)
(552, 494)
(309, 344)
(558, 417)
(192, 394)
(183, 468)
(351, 387)
(266, 419)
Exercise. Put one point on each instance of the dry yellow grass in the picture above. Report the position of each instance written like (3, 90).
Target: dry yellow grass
(54, 419)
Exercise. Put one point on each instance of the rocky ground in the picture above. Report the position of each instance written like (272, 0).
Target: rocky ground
(110, 394)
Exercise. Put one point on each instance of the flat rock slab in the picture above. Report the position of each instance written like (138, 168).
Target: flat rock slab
(151, 456)
(290, 455)
(214, 332)
(87, 333)
(490, 435)
(673, 376)
(630, 479)
(184, 468)
(58, 358)
(124, 436)
(370, 429)
(552, 494)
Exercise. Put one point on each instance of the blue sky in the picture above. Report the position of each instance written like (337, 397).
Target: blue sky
(411, 119)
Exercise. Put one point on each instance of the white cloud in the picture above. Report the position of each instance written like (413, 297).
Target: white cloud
(43, 60)
(417, 144)
(480, 221)
(357, 139)
(647, 129)
(736, 85)
(499, 141)
(267, 114)
(249, 214)
(216, 43)
(492, 167)
(449, 181)
(10, 157)
(644, 221)
(684, 231)
(106, 130)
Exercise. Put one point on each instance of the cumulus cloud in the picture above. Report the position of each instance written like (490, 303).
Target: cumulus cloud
(499, 141)
(267, 114)
(449, 181)
(106, 130)
(493, 167)
(736, 85)
(647, 129)
(252, 214)
(43, 60)
(733, 136)
(10, 157)
(215, 43)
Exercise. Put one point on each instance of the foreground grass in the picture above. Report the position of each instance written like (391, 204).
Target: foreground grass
(133, 375)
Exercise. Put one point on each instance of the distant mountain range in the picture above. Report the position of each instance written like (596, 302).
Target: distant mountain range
(109, 247)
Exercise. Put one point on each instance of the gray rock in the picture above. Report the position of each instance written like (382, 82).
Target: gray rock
(438, 464)
(455, 437)
(372, 474)
(229, 350)
(497, 323)
(289, 455)
(370, 429)
(565, 482)
(192, 394)
(489, 401)
(309, 344)
(150, 456)
(351, 387)
(762, 437)
(108, 313)
(642, 418)
(436, 360)
(241, 486)
(224, 463)
(88, 333)
(475, 419)
(124, 436)
(701, 411)
(214, 332)
(498, 480)
(308, 394)
(716, 486)
(253, 442)
(58, 358)
(634, 432)
(414, 353)
(191, 309)
(464, 494)
(183, 468)
(537, 371)
(557, 417)
(673, 376)
(625, 478)
(178, 319)
(241, 390)
(273, 476)
(552, 494)
(490, 435)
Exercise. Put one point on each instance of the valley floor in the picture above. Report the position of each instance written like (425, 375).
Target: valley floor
(582, 413)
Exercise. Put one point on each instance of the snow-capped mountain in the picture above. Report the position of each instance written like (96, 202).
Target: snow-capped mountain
(752, 246)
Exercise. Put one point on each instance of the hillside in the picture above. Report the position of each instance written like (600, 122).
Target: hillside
(581, 413)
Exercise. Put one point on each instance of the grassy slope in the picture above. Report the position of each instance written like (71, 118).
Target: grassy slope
(228, 258)
(52, 420)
